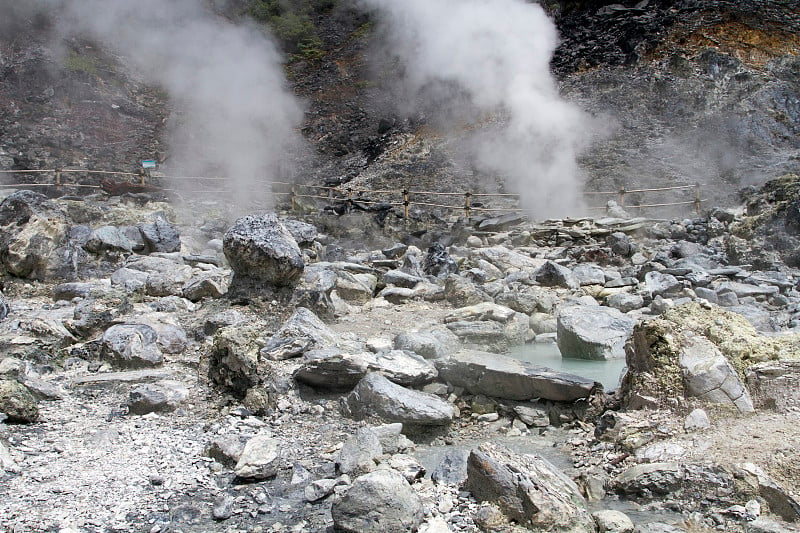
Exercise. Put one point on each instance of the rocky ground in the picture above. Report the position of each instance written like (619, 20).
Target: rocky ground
(169, 371)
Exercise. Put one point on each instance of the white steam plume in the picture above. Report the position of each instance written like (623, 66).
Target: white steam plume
(234, 116)
(496, 55)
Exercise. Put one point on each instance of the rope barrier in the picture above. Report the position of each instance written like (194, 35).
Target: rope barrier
(353, 194)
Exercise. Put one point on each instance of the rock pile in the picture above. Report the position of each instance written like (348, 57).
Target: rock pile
(296, 399)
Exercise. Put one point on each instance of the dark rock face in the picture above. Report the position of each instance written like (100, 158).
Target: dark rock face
(161, 236)
(438, 262)
(262, 253)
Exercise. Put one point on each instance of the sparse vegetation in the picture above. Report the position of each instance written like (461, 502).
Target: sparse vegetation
(77, 62)
(292, 23)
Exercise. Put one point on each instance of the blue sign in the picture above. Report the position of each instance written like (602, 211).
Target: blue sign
(148, 163)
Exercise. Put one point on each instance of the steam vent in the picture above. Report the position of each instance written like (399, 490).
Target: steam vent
(370, 266)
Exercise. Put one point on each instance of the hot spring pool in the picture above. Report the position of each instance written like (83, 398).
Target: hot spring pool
(547, 354)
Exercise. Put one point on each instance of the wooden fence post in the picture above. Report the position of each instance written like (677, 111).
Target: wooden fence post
(58, 177)
(621, 196)
(467, 204)
(292, 193)
(697, 198)
(142, 176)
(405, 204)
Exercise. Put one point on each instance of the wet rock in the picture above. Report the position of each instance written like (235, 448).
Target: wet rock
(377, 396)
(262, 253)
(609, 521)
(17, 402)
(452, 469)
(592, 332)
(438, 262)
(161, 397)
(378, 502)
(302, 332)
(360, 453)
(775, 385)
(528, 489)
(260, 459)
(132, 345)
(504, 377)
(551, 274)
(160, 235)
(651, 479)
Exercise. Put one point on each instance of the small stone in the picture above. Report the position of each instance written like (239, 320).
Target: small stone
(697, 420)
(223, 507)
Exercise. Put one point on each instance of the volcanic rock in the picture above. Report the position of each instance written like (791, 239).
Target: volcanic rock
(528, 489)
(377, 396)
(593, 332)
(378, 502)
(262, 253)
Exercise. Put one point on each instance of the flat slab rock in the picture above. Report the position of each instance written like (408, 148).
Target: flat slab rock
(504, 377)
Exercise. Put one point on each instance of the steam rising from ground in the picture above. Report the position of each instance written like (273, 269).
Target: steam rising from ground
(491, 58)
(233, 117)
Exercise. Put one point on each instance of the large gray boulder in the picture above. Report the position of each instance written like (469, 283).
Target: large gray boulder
(501, 376)
(430, 344)
(132, 346)
(163, 396)
(378, 502)
(709, 375)
(593, 332)
(34, 238)
(302, 332)
(160, 235)
(491, 326)
(551, 274)
(528, 490)
(376, 396)
(261, 458)
(333, 369)
(262, 253)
